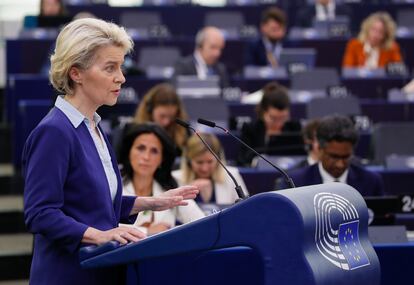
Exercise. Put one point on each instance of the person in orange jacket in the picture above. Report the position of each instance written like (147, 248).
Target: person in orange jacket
(375, 46)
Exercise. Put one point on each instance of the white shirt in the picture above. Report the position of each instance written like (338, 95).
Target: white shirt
(274, 49)
(310, 160)
(183, 214)
(201, 66)
(224, 192)
(76, 118)
(323, 14)
(372, 56)
(326, 177)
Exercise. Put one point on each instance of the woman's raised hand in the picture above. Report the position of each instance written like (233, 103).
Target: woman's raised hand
(167, 200)
(187, 192)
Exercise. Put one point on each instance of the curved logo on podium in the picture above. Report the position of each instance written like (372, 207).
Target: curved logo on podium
(336, 232)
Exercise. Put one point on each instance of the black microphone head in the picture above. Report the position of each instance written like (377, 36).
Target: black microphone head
(206, 122)
(182, 123)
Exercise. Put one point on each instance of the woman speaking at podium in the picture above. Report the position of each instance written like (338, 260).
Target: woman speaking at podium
(73, 189)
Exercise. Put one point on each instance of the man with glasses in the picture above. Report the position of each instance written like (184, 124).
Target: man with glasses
(337, 137)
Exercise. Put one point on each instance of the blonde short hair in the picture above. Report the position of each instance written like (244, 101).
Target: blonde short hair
(389, 28)
(76, 46)
(195, 148)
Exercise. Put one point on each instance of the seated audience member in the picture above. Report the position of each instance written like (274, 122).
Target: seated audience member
(273, 113)
(52, 8)
(52, 14)
(337, 137)
(161, 105)
(375, 46)
(146, 157)
(265, 51)
(321, 10)
(199, 167)
(205, 60)
(311, 143)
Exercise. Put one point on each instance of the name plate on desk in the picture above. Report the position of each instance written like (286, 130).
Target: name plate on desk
(337, 91)
(264, 72)
(338, 30)
(396, 69)
(295, 67)
(363, 72)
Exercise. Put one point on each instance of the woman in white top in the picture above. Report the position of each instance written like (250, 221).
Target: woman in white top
(146, 155)
(199, 167)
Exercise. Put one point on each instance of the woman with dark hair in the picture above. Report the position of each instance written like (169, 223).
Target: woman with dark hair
(273, 118)
(146, 156)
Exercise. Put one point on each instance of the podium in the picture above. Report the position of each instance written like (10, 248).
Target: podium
(308, 235)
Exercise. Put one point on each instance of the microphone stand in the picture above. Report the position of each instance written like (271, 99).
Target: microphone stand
(237, 187)
(211, 124)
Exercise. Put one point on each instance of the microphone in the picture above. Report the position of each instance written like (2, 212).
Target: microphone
(237, 186)
(211, 124)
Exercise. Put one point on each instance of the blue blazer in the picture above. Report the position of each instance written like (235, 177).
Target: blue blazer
(366, 182)
(66, 191)
(256, 53)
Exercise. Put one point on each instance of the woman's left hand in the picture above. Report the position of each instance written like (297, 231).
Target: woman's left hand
(188, 192)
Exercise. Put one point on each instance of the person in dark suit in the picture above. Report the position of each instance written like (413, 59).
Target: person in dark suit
(205, 60)
(337, 137)
(265, 51)
(322, 10)
(73, 188)
(273, 113)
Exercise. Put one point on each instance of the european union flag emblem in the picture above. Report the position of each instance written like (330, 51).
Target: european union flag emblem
(350, 246)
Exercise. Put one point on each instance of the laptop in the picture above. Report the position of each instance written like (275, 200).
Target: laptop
(289, 143)
(382, 209)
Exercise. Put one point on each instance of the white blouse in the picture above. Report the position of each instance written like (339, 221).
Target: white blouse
(372, 56)
(183, 214)
(224, 192)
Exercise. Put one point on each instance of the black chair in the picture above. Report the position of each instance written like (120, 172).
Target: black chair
(320, 107)
(158, 56)
(405, 18)
(316, 79)
(392, 138)
(140, 20)
(158, 62)
(214, 109)
(144, 24)
(231, 23)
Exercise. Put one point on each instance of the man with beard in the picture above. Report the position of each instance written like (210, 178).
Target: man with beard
(265, 51)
